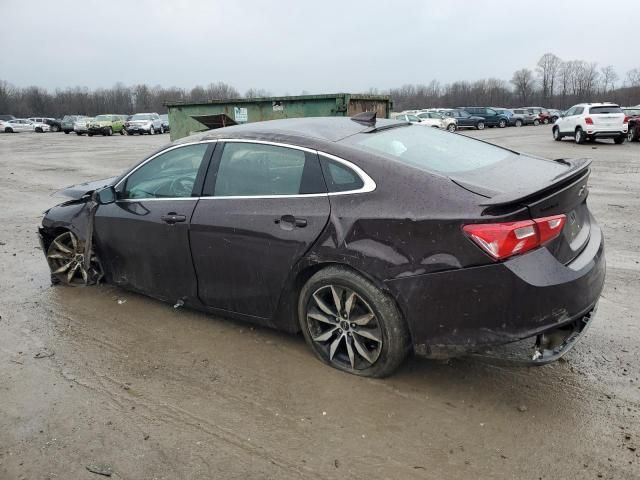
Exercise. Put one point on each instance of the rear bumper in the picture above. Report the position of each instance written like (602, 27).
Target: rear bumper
(461, 311)
(607, 134)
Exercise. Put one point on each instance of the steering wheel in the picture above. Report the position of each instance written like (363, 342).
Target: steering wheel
(182, 186)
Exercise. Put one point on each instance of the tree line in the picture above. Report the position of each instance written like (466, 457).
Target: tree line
(553, 83)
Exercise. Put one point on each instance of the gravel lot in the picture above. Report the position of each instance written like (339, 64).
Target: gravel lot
(153, 392)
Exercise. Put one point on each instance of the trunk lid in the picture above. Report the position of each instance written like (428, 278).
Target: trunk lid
(546, 188)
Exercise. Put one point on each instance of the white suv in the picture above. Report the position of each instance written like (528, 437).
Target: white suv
(588, 121)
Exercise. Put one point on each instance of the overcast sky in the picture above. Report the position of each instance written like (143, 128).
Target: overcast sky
(286, 47)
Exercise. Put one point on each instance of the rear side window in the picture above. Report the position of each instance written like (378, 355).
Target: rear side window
(604, 110)
(339, 177)
(430, 149)
(252, 169)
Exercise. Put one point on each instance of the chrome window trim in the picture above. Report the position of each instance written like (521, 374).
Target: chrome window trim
(156, 156)
(369, 185)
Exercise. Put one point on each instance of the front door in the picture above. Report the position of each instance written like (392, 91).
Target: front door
(143, 238)
(263, 207)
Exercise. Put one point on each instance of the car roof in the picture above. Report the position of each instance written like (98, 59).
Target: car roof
(328, 129)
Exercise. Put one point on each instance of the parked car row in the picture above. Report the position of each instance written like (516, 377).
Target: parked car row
(481, 117)
(106, 124)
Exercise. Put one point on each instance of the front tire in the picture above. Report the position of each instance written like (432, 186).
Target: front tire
(580, 137)
(8, 130)
(352, 325)
(502, 123)
(536, 122)
(480, 126)
(65, 257)
(152, 130)
(556, 134)
(518, 123)
(55, 128)
(451, 128)
(545, 121)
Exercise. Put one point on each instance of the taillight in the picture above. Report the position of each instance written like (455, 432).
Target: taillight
(626, 119)
(588, 121)
(503, 240)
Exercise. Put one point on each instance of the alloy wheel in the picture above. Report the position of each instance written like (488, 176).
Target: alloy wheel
(344, 327)
(65, 257)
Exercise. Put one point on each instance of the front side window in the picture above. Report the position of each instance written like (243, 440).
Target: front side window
(169, 175)
(255, 170)
(578, 111)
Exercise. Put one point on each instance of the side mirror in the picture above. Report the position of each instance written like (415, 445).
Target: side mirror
(105, 195)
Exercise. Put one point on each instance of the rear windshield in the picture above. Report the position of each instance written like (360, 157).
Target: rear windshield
(603, 110)
(430, 149)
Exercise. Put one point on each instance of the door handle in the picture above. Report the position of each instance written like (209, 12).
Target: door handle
(288, 222)
(173, 217)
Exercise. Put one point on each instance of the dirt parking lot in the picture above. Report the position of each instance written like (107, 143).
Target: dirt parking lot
(100, 376)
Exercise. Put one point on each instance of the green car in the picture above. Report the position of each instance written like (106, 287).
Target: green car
(106, 125)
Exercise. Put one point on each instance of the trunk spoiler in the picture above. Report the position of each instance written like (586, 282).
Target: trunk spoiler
(576, 168)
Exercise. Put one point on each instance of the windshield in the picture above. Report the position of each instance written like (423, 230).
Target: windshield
(141, 116)
(103, 118)
(430, 149)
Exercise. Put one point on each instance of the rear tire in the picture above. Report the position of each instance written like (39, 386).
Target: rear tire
(90, 134)
(536, 122)
(371, 340)
(619, 140)
(152, 131)
(66, 132)
(55, 128)
(580, 137)
(480, 125)
(38, 130)
(631, 134)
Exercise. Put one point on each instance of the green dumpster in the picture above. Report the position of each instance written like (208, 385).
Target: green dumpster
(188, 118)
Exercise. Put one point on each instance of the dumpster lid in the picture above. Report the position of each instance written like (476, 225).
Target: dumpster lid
(215, 121)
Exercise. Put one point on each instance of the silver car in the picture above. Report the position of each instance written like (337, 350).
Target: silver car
(23, 125)
(81, 126)
(150, 123)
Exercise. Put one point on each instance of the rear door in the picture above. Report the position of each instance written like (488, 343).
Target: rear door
(263, 207)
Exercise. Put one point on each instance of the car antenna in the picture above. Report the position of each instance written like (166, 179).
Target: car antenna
(365, 118)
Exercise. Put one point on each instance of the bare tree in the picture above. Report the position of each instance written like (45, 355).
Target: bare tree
(608, 78)
(633, 77)
(548, 68)
(257, 93)
(523, 83)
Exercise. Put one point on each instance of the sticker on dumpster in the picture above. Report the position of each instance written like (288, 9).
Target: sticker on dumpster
(240, 115)
(278, 106)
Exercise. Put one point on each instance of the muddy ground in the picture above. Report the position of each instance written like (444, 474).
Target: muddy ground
(152, 392)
